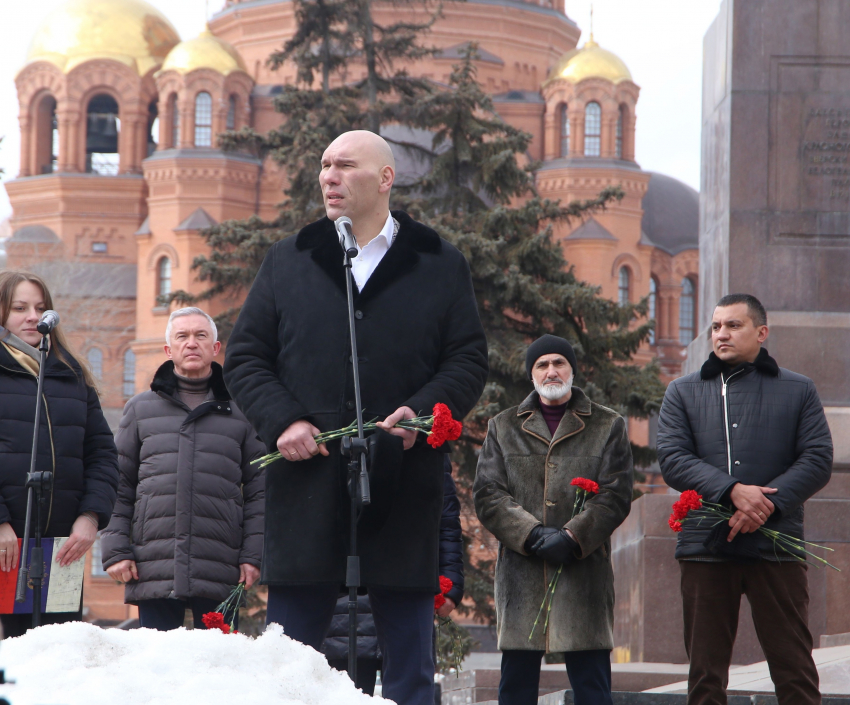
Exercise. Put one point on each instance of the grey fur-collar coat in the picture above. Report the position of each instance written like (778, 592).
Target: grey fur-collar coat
(523, 479)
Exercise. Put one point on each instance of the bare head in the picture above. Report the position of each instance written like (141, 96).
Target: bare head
(738, 328)
(358, 170)
(191, 341)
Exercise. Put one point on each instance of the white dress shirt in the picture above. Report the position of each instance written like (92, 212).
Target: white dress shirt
(369, 257)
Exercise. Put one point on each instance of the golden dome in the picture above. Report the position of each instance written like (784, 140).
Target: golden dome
(129, 31)
(591, 61)
(206, 51)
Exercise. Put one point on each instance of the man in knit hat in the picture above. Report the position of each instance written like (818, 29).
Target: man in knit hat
(524, 495)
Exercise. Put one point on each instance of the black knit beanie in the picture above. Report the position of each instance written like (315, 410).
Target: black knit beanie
(549, 345)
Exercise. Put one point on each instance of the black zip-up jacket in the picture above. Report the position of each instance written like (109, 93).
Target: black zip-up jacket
(771, 431)
(74, 443)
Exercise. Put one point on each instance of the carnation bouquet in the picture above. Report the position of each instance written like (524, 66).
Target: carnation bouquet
(218, 619)
(586, 488)
(457, 651)
(691, 507)
(439, 427)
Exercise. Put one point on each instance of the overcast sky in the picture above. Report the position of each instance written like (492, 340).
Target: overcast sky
(660, 41)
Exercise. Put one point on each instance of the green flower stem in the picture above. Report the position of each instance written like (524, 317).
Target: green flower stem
(419, 423)
(781, 541)
(232, 602)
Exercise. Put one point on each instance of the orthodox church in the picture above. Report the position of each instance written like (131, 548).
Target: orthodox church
(120, 171)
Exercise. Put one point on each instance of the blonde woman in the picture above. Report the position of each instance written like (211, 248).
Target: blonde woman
(74, 442)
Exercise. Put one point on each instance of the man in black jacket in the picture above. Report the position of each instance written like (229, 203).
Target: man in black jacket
(746, 433)
(420, 342)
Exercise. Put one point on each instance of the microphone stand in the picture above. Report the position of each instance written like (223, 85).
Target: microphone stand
(37, 484)
(356, 450)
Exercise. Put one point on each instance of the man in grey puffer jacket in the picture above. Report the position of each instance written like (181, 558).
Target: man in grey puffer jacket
(188, 523)
(753, 436)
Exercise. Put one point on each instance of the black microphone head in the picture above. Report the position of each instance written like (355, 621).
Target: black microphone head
(345, 232)
(49, 320)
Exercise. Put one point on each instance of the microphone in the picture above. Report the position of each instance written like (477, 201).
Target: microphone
(49, 320)
(346, 236)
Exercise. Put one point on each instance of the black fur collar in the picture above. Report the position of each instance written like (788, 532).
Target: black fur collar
(165, 381)
(764, 363)
(412, 238)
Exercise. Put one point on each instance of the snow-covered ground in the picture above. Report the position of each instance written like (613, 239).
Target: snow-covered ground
(80, 664)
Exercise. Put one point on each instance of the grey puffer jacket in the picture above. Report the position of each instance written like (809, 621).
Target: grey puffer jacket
(777, 437)
(190, 504)
(523, 479)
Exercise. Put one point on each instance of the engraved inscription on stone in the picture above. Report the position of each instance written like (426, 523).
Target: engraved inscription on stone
(826, 155)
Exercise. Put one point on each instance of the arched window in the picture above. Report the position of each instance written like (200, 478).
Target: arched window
(621, 119)
(232, 105)
(623, 286)
(687, 309)
(46, 136)
(203, 120)
(653, 294)
(153, 127)
(103, 126)
(95, 360)
(174, 113)
(565, 131)
(129, 374)
(163, 272)
(592, 130)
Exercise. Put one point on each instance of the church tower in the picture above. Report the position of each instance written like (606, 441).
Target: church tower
(203, 90)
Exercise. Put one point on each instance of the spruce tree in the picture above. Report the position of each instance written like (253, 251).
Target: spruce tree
(478, 196)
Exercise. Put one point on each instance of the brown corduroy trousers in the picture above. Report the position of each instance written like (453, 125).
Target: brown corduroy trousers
(778, 594)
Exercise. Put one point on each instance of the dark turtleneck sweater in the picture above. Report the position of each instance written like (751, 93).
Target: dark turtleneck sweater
(552, 415)
(193, 392)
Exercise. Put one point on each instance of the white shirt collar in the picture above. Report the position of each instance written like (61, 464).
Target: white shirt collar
(387, 233)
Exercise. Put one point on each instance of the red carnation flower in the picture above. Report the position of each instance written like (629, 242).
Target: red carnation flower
(586, 485)
(215, 620)
(674, 524)
(691, 499)
(445, 585)
(444, 427)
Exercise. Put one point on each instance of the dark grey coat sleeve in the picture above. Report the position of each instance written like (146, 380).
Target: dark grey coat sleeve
(681, 468)
(253, 500)
(100, 464)
(250, 364)
(463, 367)
(813, 467)
(116, 541)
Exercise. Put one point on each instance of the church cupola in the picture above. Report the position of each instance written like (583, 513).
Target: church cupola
(590, 106)
(204, 89)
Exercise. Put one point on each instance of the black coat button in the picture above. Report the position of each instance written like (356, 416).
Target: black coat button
(358, 315)
(349, 405)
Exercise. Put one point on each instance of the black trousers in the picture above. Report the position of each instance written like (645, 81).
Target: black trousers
(165, 615)
(778, 593)
(367, 672)
(589, 672)
(404, 622)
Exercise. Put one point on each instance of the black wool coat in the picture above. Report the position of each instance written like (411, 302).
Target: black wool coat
(420, 342)
(74, 442)
(773, 433)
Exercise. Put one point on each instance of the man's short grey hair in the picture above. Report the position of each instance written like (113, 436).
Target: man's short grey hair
(189, 311)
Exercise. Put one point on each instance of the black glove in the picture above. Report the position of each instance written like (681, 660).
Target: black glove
(554, 546)
(537, 533)
(743, 548)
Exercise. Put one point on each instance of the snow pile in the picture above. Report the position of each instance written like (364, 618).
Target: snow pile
(80, 664)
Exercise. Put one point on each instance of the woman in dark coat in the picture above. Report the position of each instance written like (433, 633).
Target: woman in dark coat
(74, 443)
